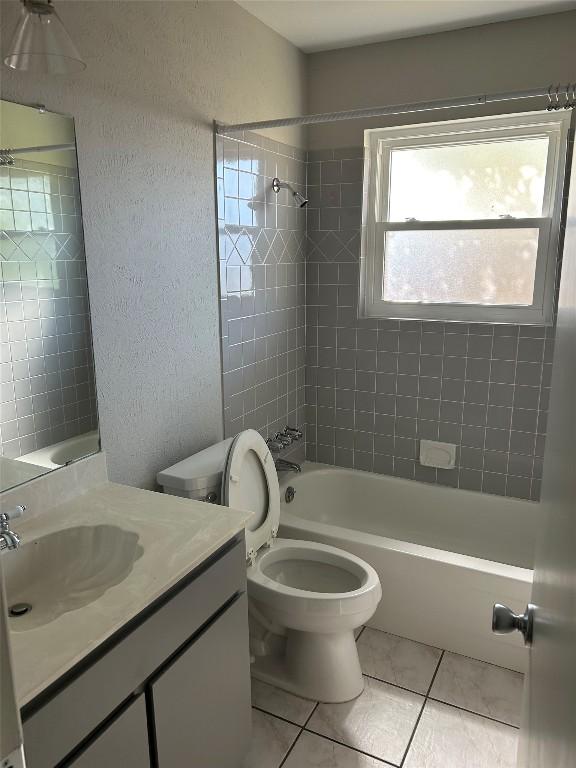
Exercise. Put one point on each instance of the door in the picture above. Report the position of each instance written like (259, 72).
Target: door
(202, 701)
(548, 734)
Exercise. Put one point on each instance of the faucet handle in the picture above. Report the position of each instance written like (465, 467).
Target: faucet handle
(14, 513)
(283, 438)
(293, 432)
(275, 446)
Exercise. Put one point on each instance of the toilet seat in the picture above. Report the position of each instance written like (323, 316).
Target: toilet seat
(267, 588)
(250, 482)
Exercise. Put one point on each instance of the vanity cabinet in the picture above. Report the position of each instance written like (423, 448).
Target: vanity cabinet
(214, 729)
(173, 685)
(121, 744)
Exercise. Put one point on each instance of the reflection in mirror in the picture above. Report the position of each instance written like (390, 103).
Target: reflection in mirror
(48, 415)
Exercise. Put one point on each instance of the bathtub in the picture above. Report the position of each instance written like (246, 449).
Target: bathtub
(65, 452)
(444, 556)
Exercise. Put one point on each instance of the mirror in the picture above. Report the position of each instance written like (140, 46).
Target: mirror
(48, 414)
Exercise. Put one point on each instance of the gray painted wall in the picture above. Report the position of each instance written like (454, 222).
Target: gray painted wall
(158, 74)
(507, 56)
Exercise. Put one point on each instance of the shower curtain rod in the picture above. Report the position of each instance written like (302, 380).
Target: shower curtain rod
(47, 148)
(558, 96)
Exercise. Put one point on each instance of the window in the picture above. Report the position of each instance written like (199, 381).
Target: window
(462, 219)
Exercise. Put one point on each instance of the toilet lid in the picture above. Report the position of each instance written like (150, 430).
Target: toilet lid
(250, 483)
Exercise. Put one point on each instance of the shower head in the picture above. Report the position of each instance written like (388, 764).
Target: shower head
(300, 199)
(277, 185)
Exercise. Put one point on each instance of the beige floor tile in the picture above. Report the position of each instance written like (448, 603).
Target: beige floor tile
(479, 687)
(271, 740)
(397, 660)
(451, 738)
(281, 703)
(380, 721)
(313, 751)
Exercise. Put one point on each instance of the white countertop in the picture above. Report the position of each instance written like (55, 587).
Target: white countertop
(176, 534)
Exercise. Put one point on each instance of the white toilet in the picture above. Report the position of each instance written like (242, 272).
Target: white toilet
(305, 599)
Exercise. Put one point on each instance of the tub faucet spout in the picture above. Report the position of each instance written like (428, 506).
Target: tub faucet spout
(8, 538)
(283, 465)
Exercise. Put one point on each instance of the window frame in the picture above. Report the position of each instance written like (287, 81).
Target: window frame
(378, 145)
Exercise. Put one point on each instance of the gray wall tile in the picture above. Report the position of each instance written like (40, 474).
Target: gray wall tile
(47, 369)
(263, 302)
(374, 387)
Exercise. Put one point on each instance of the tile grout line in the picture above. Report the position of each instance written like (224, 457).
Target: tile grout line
(302, 727)
(278, 717)
(417, 723)
(472, 712)
(426, 697)
(287, 755)
(441, 701)
(354, 749)
(394, 685)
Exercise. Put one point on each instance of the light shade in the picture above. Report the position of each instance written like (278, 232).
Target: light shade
(40, 42)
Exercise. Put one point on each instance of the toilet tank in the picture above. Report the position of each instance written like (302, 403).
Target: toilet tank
(198, 477)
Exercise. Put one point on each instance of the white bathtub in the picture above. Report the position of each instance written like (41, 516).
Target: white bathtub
(444, 556)
(64, 452)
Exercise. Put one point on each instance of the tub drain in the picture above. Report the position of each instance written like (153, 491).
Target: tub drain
(19, 609)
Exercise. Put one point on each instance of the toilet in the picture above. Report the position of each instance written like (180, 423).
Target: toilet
(306, 599)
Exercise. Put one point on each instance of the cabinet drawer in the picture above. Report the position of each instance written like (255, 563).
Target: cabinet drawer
(202, 701)
(123, 744)
(76, 710)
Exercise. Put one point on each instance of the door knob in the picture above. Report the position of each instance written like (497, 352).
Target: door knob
(505, 620)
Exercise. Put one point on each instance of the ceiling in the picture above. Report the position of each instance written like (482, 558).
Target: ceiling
(317, 25)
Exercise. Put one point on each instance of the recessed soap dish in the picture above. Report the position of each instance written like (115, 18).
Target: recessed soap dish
(439, 455)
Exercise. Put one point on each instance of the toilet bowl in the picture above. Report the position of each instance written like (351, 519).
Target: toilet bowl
(305, 599)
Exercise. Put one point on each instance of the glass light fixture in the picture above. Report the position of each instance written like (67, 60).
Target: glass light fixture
(40, 42)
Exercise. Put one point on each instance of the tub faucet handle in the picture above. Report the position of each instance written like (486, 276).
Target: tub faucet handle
(15, 512)
(293, 432)
(283, 438)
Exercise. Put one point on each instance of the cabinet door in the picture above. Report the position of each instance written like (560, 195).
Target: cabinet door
(123, 744)
(202, 701)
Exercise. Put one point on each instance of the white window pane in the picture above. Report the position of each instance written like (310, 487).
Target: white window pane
(481, 266)
(481, 180)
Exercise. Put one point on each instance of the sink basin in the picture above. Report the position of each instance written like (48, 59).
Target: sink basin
(66, 570)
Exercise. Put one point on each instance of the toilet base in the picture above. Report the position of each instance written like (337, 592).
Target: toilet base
(318, 666)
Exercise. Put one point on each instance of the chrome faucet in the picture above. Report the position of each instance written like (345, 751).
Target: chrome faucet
(287, 466)
(280, 441)
(275, 446)
(8, 538)
(284, 439)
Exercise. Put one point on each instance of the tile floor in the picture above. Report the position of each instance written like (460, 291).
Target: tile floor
(421, 708)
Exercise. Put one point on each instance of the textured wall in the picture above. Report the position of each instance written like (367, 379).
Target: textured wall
(158, 74)
(47, 391)
(262, 248)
